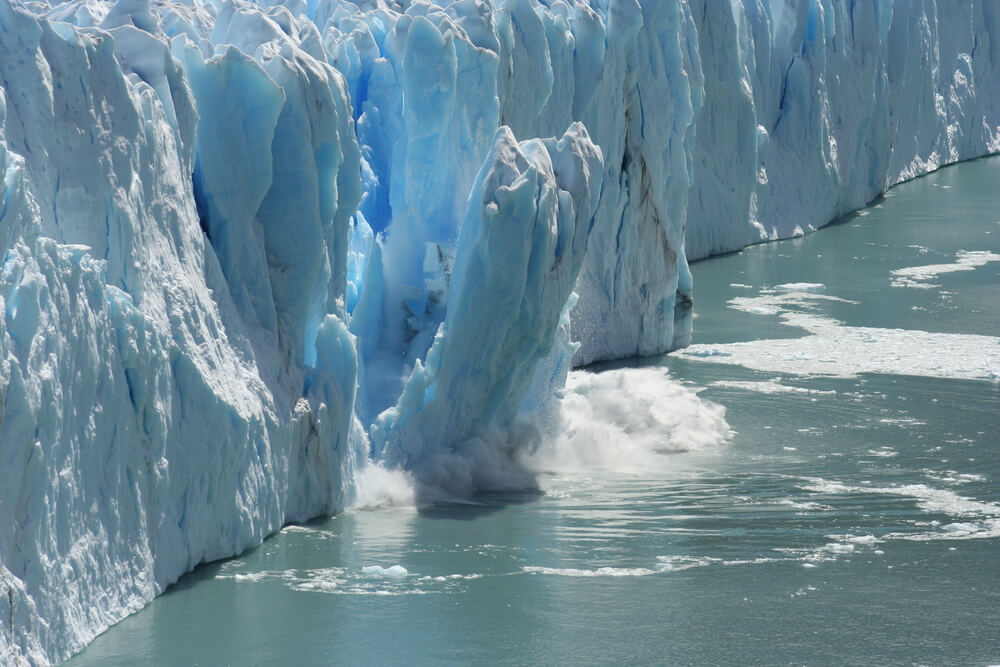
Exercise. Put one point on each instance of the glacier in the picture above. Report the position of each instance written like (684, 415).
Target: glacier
(252, 250)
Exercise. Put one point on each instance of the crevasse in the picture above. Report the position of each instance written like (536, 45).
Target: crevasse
(249, 249)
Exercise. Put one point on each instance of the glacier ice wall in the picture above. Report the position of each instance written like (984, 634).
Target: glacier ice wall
(247, 248)
(816, 108)
(148, 422)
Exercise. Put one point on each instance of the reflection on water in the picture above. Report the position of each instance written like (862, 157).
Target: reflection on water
(853, 517)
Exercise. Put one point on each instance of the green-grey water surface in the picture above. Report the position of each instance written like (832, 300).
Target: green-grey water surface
(853, 517)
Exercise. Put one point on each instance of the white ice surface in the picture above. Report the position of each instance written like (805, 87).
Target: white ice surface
(239, 253)
(920, 276)
(835, 349)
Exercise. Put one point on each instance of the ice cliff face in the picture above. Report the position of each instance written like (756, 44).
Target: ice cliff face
(813, 109)
(248, 248)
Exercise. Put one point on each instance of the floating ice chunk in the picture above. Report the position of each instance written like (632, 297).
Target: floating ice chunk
(843, 351)
(919, 276)
(831, 348)
(800, 287)
(392, 572)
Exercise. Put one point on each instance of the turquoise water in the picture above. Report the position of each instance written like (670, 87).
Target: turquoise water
(853, 517)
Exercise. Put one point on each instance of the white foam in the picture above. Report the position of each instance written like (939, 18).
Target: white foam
(451, 577)
(668, 564)
(800, 287)
(308, 532)
(624, 421)
(987, 529)
(953, 476)
(979, 519)
(805, 505)
(883, 452)
(679, 563)
(919, 276)
(316, 586)
(320, 579)
(376, 487)
(369, 580)
(627, 420)
(663, 565)
(902, 421)
(599, 572)
(772, 386)
(929, 499)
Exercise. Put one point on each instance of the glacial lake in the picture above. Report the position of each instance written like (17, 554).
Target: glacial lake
(852, 518)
